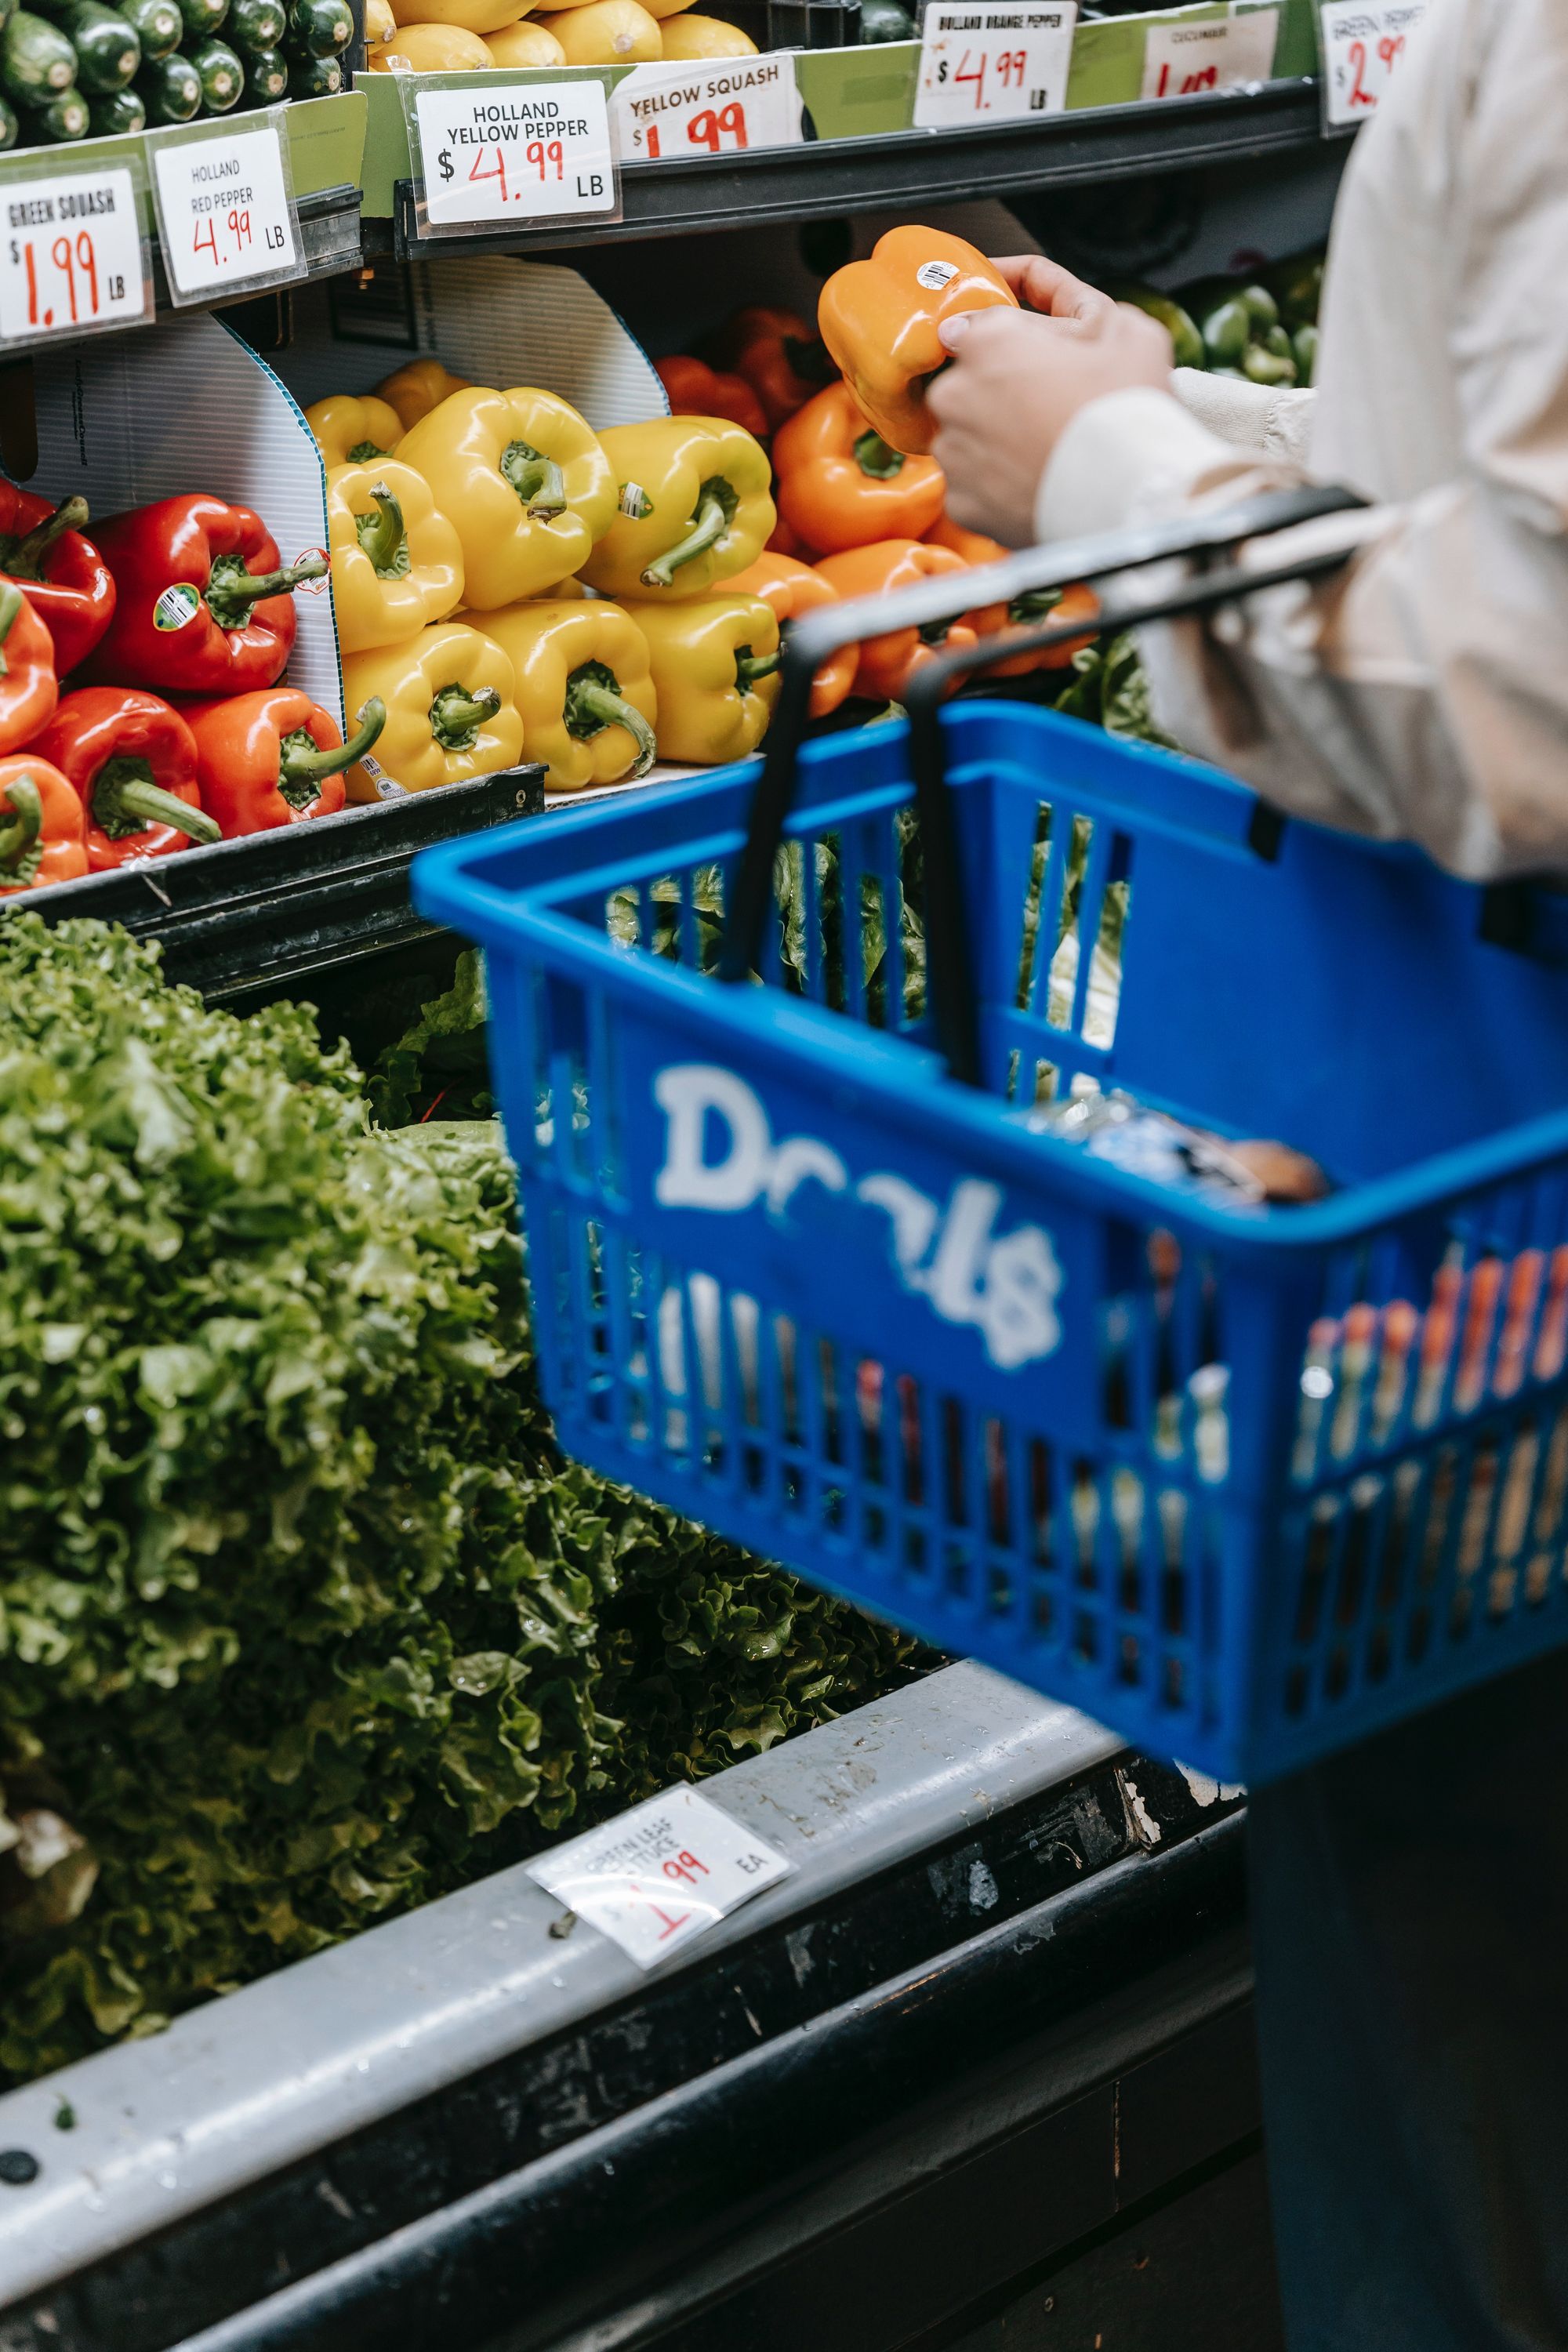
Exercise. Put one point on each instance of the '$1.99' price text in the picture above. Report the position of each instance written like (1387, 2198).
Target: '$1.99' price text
(63, 280)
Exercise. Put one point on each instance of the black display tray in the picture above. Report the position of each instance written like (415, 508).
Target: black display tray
(274, 908)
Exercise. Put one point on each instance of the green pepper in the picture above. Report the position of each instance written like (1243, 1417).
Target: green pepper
(66, 116)
(157, 23)
(266, 76)
(1187, 343)
(108, 51)
(1260, 306)
(37, 61)
(170, 88)
(319, 29)
(314, 76)
(222, 75)
(1227, 332)
(1304, 349)
(884, 20)
(113, 116)
(1260, 365)
(1298, 287)
(256, 24)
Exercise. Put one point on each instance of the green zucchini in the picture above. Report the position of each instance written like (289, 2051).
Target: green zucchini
(171, 89)
(8, 10)
(314, 76)
(256, 24)
(108, 51)
(201, 17)
(320, 28)
(66, 116)
(266, 76)
(157, 23)
(35, 60)
(222, 75)
(884, 20)
(122, 110)
(10, 129)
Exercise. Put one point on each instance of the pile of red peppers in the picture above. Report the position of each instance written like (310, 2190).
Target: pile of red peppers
(140, 708)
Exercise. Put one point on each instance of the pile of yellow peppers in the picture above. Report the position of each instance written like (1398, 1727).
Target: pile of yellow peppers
(462, 36)
(466, 528)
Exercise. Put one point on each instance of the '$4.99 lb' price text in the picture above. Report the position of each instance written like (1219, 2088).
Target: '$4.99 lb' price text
(516, 155)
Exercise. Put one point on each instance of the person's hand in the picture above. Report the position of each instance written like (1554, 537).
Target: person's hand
(1019, 378)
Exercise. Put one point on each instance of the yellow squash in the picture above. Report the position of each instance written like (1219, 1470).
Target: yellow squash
(524, 44)
(693, 38)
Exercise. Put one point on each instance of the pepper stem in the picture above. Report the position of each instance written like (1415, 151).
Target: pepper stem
(877, 458)
(1034, 603)
(594, 701)
(302, 763)
(716, 504)
(125, 800)
(537, 480)
(21, 838)
(24, 557)
(457, 716)
(231, 590)
(10, 605)
(365, 452)
(750, 667)
(383, 535)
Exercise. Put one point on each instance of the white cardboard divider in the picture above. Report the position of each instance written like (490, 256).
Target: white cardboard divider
(183, 407)
(497, 321)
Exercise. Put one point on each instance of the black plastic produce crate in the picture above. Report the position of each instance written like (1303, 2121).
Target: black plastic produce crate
(795, 24)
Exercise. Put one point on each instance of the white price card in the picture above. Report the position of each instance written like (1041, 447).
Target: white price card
(667, 112)
(518, 151)
(656, 1876)
(1217, 53)
(1364, 44)
(225, 210)
(72, 254)
(992, 63)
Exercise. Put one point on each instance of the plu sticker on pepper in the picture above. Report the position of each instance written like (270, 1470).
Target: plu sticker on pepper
(176, 607)
(935, 275)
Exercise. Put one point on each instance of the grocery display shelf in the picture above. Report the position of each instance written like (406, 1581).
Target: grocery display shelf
(825, 179)
(1000, 2003)
(329, 237)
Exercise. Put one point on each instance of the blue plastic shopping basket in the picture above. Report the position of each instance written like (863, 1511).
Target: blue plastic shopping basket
(1245, 1484)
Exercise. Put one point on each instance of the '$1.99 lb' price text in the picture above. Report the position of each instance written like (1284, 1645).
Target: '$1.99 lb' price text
(72, 254)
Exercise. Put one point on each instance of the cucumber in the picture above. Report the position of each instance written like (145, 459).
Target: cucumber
(113, 116)
(320, 28)
(884, 20)
(314, 76)
(37, 61)
(10, 129)
(171, 89)
(157, 23)
(108, 51)
(201, 17)
(66, 116)
(256, 24)
(222, 75)
(266, 76)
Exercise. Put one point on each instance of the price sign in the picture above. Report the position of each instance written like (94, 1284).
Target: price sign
(661, 1874)
(227, 218)
(1364, 42)
(532, 151)
(72, 254)
(992, 64)
(667, 112)
(1223, 53)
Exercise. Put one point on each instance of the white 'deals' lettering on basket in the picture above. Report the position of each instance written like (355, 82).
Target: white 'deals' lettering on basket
(1005, 1286)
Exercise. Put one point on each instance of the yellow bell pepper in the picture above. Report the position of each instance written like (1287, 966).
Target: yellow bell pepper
(397, 563)
(606, 33)
(450, 712)
(715, 671)
(415, 390)
(351, 431)
(583, 691)
(523, 478)
(696, 37)
(694, 507)
(524, 44)
(469, 16)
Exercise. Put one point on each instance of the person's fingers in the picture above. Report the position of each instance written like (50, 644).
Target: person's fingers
(1042, 284)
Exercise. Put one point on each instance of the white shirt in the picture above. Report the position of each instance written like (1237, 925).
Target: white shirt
(1424, 690)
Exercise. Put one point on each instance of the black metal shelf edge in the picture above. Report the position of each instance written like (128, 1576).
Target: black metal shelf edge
(329, 234)
(826, 178)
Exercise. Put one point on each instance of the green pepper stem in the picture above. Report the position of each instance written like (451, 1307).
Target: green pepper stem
(750, 667)
(125, 800)
(877, 458)
(24, 557)
(592, 706)
(365, 452)
(457, 716)
(383, 535)
(20, 838)
(10, 605)
(537, 480)
(231, 592)
(302, 763)
(1034, 603)
(712, 522)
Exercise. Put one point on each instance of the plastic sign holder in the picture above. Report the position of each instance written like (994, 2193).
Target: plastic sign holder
(663, 1872)
(227, 221)
(981, 64)
(1202, 57)
(74, 253)
(497, 151)
(668, 114)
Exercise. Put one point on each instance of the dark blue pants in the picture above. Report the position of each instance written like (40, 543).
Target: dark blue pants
(1410, 1903)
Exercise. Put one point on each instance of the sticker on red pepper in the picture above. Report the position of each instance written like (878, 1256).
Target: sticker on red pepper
(935, 275)
(175, 606)
(312, 587)
(635, 501)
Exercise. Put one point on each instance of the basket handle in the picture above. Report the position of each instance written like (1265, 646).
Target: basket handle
(819, 633)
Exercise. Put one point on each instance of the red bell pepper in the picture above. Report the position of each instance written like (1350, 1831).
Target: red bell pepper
(67, 581)
(29, 692)
(133, 762)
(695, 389)
(43, 826)
(202, 604)
(274, 758)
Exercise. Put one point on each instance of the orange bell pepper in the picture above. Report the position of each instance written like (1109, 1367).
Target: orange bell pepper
(784, 542)
(879, 320)
(779, 357)
(696, 390)
(791, 589)
(888, 663)
(1076, 603)
(839, 484)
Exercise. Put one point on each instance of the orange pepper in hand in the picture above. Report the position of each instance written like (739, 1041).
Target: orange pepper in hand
(779, 357)
(1076, 603)
(879, 320)
(791, 589)
(886, 663)
(838, 483)
(696, 390)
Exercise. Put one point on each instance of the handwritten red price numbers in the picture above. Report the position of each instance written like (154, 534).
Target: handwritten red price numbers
(1390, 49)
(1202, 77)
(542, 157)
(708, 129)
(74, 259)
(236, 238)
